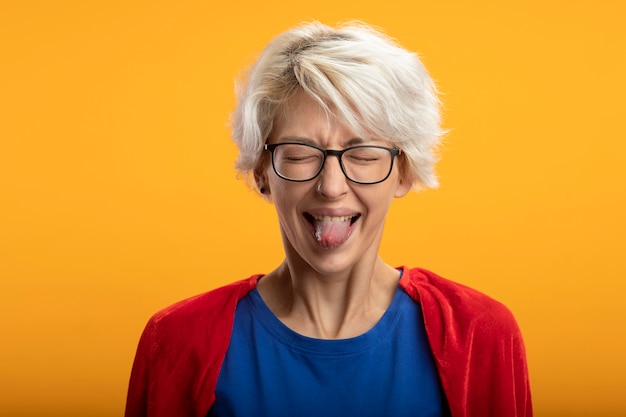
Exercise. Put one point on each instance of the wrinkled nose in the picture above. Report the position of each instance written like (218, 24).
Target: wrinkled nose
(332, 183)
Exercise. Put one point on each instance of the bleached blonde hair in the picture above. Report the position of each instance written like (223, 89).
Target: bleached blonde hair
(367, 79)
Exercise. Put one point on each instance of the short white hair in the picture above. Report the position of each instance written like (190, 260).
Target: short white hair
(368, 80)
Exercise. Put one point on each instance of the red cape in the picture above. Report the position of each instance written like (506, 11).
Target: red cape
(477, 345)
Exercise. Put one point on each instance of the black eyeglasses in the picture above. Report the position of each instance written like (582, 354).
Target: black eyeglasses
(363, 164)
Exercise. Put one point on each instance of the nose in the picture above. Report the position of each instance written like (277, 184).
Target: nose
(332, 183)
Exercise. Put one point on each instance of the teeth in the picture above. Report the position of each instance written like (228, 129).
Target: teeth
(332, 218)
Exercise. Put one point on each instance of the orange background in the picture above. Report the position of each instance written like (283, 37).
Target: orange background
(118, 197)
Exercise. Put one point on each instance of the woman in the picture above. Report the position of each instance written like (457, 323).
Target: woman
(332, 125)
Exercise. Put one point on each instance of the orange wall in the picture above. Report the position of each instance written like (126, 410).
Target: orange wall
(117, 194)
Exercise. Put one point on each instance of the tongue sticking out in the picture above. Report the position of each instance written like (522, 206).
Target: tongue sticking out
(332, 232)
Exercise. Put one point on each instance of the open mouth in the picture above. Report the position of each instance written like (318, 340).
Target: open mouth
(331, 231)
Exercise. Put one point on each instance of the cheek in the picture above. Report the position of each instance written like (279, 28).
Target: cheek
(380, 202)
(284, 197)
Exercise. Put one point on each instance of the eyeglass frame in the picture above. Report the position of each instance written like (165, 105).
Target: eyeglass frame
(338, 153)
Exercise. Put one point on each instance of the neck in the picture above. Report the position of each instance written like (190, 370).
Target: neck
(325, 306)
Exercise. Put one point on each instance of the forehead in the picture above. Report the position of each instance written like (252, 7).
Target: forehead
(302, 117)
(300, 109)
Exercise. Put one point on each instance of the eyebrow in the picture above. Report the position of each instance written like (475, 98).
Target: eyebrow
(351, 142)
(296, 139)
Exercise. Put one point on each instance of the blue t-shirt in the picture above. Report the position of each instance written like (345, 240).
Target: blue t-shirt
(272, 371)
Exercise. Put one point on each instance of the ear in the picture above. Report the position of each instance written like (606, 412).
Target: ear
(405, 180)
(260, 179)
(403, 187)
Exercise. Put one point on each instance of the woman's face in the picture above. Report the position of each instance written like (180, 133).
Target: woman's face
(329, 223)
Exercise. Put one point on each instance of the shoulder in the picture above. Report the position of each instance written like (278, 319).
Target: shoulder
(184, 343)
(476, 343)
(201, 311)
(456, 303)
